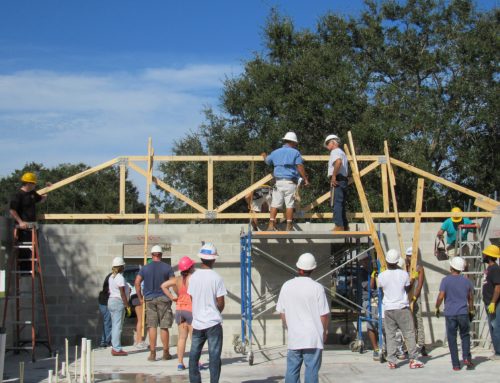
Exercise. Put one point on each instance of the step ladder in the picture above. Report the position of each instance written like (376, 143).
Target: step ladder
(25, 293)
(470, 249)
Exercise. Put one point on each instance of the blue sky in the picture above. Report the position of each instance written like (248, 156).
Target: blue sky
(87, 81)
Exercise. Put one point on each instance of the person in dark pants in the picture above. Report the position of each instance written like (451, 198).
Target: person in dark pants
(207, 292)
(337, 172)
(23, 210)
(106, 316)
(456, 291)
(491, 296)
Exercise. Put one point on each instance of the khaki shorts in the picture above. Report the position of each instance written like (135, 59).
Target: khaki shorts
(159, 312)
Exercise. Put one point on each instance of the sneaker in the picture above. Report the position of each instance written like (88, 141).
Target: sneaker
(494, 357)
(456, 368)
(289, 226)
(141, 345)
(103, 345)
(423, 351)
(181, 367)
(338, 228)
(468, 364)
(376, 355)
(118, 353)
(391, 365)
(152, 356)
(414, 363)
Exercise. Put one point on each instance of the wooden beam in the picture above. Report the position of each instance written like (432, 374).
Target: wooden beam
(416, 226)
(210, 184)
(318, 201)
(78, 176)
(392, 184)
(243, 193)
(239, 158)
(169, 189)
(369, 168)
(445, 182)
(364, 202)
(485, 205)
(385, 190)
(123, 176)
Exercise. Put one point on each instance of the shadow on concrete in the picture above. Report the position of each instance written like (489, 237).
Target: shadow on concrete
(270, 379)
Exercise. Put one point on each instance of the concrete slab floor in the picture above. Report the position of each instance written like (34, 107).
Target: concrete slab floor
(339, 365)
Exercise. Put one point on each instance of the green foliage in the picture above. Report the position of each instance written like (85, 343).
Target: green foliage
(96, 193)
(422, 75)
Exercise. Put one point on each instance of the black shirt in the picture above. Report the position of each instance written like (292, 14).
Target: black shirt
(104, 294)
(492, 278)
(24, 204)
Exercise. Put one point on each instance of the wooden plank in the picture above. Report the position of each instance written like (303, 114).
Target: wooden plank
(392, 184)
(416, 226)
(210, 185)
(243, 193)
(238, 158)
(318, 201)
(364, 203)
(78, 176)
(169, 189)
(369, 168)
(309, 234)
(444, 182)
(385, 190)
(485, 205)
(123, 175)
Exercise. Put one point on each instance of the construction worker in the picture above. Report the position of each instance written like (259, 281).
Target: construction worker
(456, 291)
(158, 305)
(450, 227)
(258, 202)
(337, 172)
(288, 166)
(23, 211)
(491, 295)
(415, 304)
(305, 313)
(395, 284)
(207, 291)
(118, 304)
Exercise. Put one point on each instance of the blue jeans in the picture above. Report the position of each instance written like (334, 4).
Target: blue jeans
(494, 324)
(199, 337)
(117, 310)
(312, 360)
(339, 198)
(461, 323)
(106, 325)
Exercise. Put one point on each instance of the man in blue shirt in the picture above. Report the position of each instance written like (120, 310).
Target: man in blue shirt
(158, 305)
(450, 227)
(456, 290)
(288, 167)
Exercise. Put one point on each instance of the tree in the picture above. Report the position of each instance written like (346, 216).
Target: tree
(96, 193)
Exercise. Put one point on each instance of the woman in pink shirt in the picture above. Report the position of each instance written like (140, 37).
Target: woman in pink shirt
(183, 309)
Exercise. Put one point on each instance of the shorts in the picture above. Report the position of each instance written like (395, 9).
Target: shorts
(134, 301)
(257, 204)
(182, 316)
(371, 325)
(159, 312)
(284, 192)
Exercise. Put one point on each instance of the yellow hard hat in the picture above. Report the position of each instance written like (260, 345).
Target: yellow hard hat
(492, 251)
(456, 210)
(29, 178)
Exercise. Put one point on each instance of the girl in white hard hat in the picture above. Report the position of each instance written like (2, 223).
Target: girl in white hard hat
(117, 304)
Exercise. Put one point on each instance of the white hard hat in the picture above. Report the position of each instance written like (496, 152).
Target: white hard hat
(392, 256)
(306, 262)
(118, 261)
(458, 263)
(208, 251)
(156, 249)
(409, 250)
(290, 136)
(401, 263)
(331, 137)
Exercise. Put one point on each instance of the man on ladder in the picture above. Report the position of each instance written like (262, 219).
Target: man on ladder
(25, 261)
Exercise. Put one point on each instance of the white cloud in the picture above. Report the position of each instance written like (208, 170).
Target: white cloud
(51, 117)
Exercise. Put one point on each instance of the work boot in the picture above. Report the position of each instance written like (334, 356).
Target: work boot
(152, 356)
(166, 355)
(289, 226)
(338, 228)
(271, 226)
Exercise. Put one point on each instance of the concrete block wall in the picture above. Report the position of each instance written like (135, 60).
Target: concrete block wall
(76, 258)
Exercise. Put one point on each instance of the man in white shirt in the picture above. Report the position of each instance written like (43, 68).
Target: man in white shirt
(337, 173)
(207, 292)
(395, 283)
(305, 312)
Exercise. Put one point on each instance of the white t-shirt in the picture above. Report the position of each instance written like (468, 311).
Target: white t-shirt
(115, 284)
(393, 283)
(303, 301)
(335, 154)
(205, 286)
